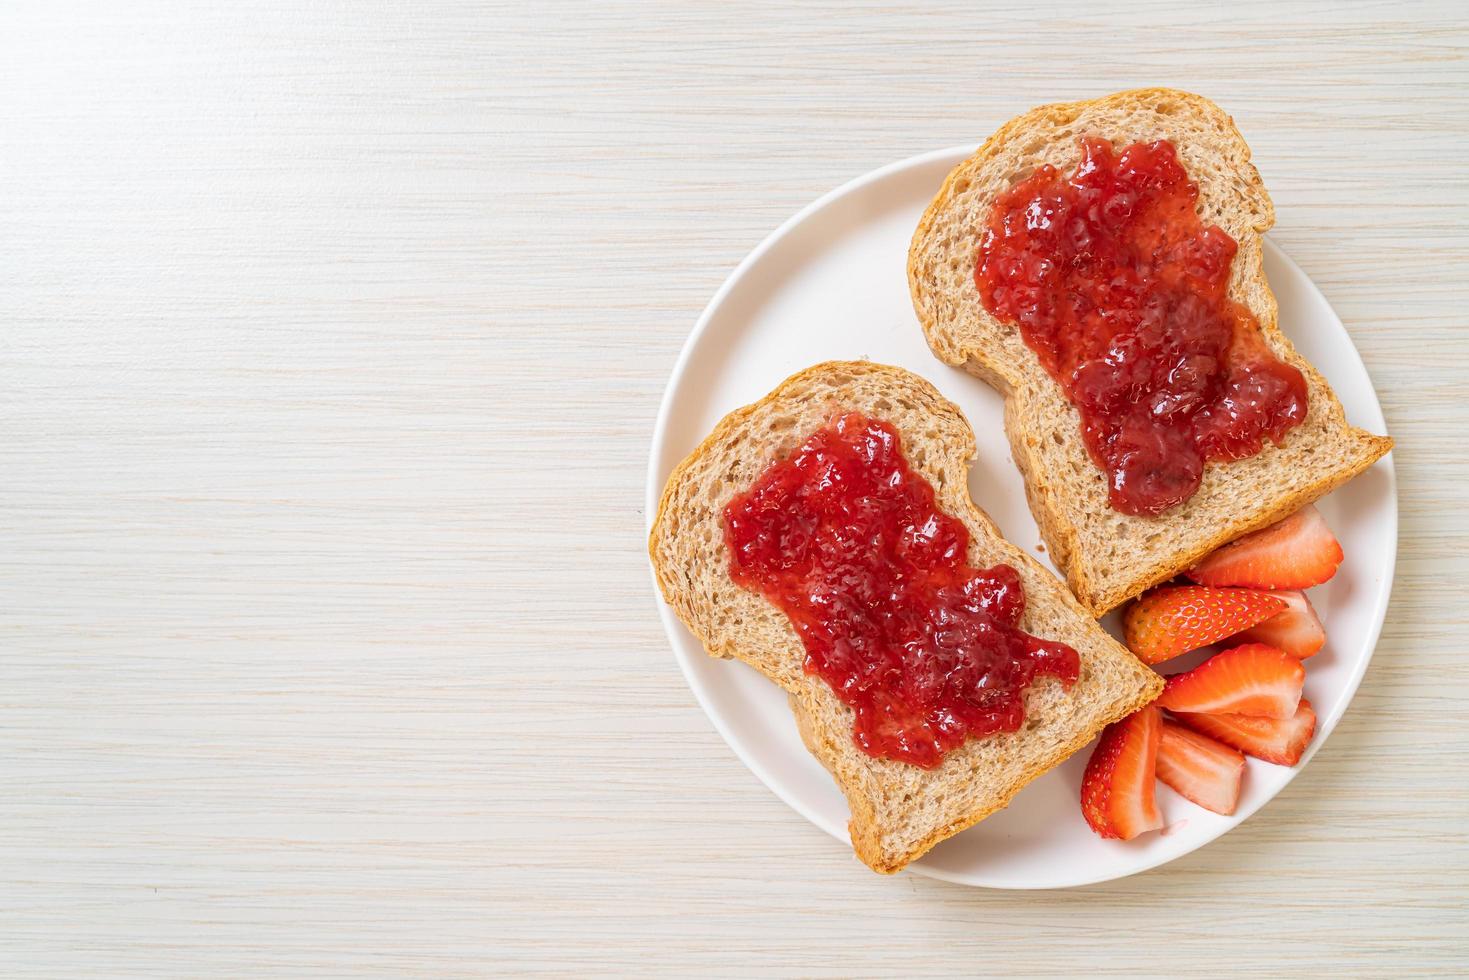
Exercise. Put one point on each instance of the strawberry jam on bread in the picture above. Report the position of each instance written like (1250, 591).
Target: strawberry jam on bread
(847, 540)
(1197, 335)
(1122, 293)
(898, 809)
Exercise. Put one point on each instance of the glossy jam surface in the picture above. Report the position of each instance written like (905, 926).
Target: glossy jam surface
(850, 544)
(1121, 291)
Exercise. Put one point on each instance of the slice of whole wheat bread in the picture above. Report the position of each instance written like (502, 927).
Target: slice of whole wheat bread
(898, 810)
(1109, 556)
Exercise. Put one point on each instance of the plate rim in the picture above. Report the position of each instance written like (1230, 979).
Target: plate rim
(654, 488)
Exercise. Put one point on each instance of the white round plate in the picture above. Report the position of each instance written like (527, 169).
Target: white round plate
(830, 284)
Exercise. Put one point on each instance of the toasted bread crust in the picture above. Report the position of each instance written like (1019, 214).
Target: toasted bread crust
(864, 831)
(898, 811)
(1069, 508)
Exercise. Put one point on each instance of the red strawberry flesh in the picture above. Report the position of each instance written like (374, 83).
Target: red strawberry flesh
(1295, 553)
(1297, 630)
(1117, 792)
(1253, 679)
(1200, 769)
(1281, 741)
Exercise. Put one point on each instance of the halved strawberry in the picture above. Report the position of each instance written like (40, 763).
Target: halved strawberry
(1297, 630)
(1276, 740)
(1176, 619)
(1117, 793)
(1200, 769)
(1296, 553)
(1253, 679)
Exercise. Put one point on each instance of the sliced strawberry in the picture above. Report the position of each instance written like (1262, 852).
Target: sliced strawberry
(1200, 769)
(1117, 796)
(1297, 630)
(1177, 619)
(1276, 740)
(1254, 680)
(1296, 553)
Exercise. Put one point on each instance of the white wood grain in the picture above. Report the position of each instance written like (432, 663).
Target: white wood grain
(331, 335)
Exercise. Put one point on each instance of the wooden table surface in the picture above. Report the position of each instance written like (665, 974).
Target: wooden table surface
(331, 338)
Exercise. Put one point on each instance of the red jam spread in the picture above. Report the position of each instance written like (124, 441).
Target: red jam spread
(1121, 291)
(849, 543)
